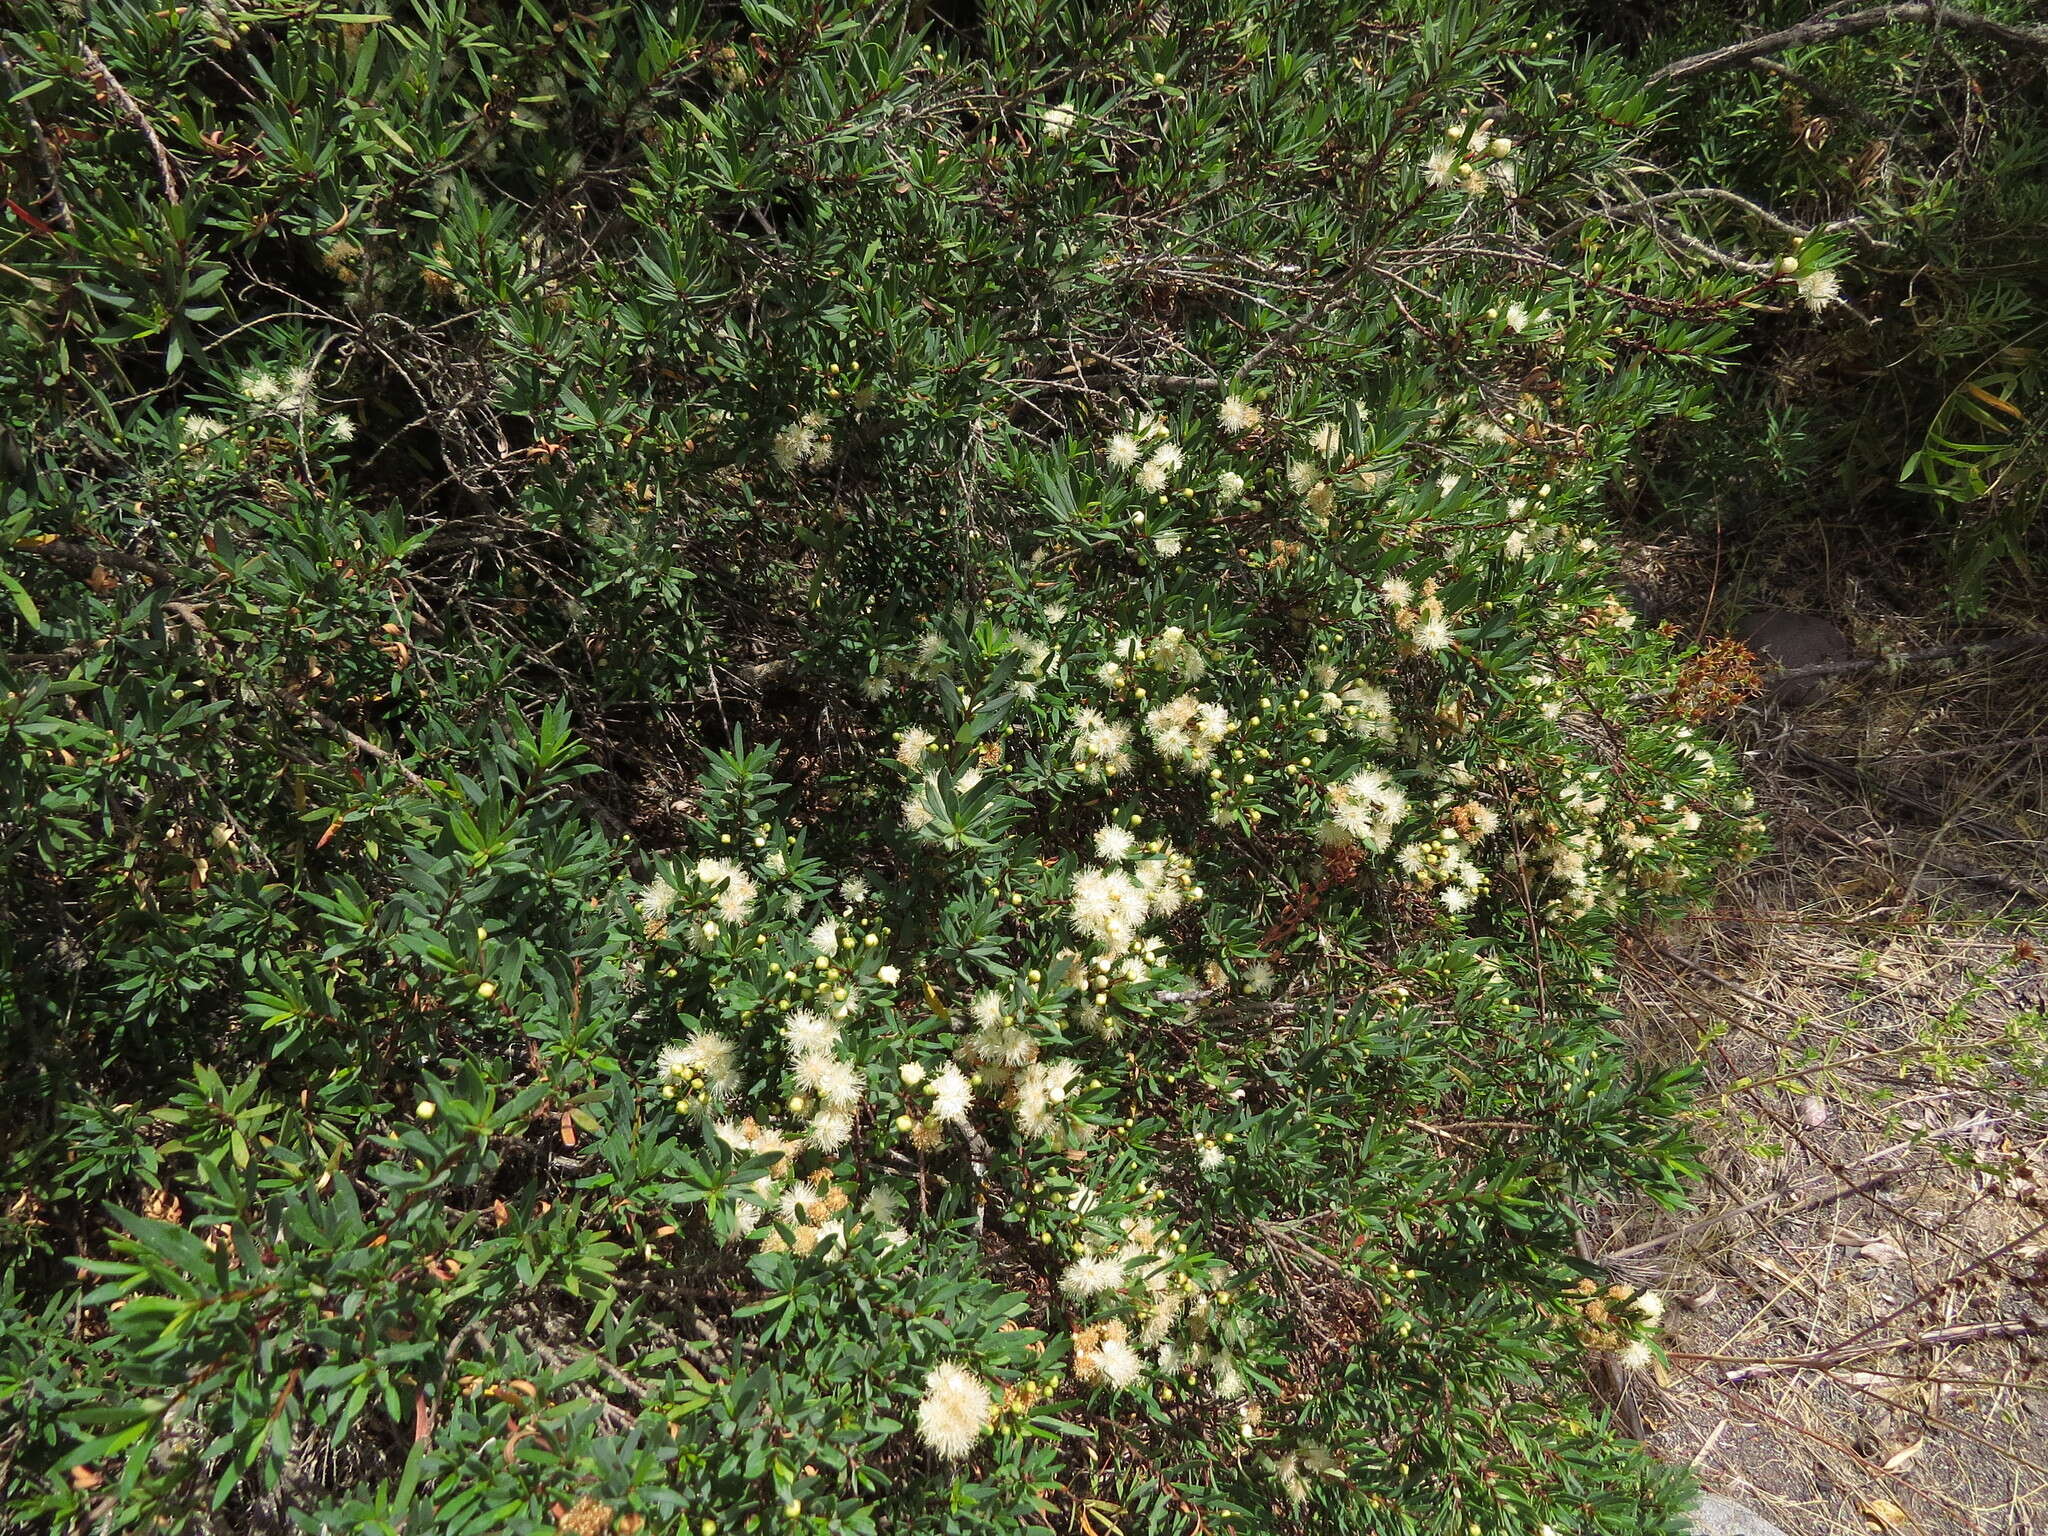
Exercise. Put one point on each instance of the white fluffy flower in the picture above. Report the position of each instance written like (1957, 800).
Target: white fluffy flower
(1366, 808)
(736, 898)
(1118, 1365)
(955, 1411)
(952, 1095)
(810, 1034)
(793, 445)
(1102, 747)
(258, 387)
(1819, 288)
(1059, 122)
(916, 742)
(917, 810)
(1041, 1091)
(1370, 711)
(1109, 907)
(1123, 451)
(1229, 485)
(839, 1083)
(656, 901)
(706, 1055)
(1113, 844)
(830, 1129)
(1151, 477)
(1091, 1277)
(1237, 414)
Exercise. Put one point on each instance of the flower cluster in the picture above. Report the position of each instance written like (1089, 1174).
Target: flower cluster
(1365, 808)
(1149, 452)
(803, 444)
(700, 1069)
(1187, 731)
(1101, 747)
(1475, 160)
(1111, 905)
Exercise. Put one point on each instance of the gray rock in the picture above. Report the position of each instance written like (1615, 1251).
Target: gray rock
(1716, 1516)
(1789, 641)
(1642, 599)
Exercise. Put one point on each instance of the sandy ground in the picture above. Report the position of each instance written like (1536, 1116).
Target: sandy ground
(1858, 1301)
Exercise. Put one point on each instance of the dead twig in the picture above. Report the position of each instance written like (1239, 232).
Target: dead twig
(166, 171)
(46, 159)
(1827, 29)
(1932, 1338)
(65, 552)
(1816, 1202)
(1868, 784)
(1975, 650)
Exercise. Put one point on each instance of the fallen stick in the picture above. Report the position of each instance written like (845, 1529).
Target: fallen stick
(1933, 1338)
(2004, 646)
(1814, 1203)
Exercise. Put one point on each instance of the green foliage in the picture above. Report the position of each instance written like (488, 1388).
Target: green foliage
(1136, 1072)
(1913, 156)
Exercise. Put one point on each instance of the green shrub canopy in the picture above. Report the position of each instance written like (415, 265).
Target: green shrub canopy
(1123, 1058)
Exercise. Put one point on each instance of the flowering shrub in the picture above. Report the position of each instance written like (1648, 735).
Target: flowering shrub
(1132, 1071)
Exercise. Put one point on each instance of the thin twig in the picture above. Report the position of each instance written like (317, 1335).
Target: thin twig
(65, 552)
(1826, 29)
(164, 168)
(1826, 1198)
(2007, 645)
(366, 746)
(46, 159)
(1932, 1338)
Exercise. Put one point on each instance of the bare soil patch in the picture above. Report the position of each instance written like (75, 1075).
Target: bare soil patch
(1858, 1301)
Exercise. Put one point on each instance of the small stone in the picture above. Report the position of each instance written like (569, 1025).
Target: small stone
(1790, 641)
(1643, 600)
(1716, 1516)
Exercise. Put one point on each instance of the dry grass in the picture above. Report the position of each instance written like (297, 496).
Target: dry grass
(1860, 1295)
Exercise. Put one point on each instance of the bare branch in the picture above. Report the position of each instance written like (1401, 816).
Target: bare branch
(1932, 1338)
(60, 211)
(1826, 29)
(1756, 211)
(65, 552)
(166, 171)
(1977, 650)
